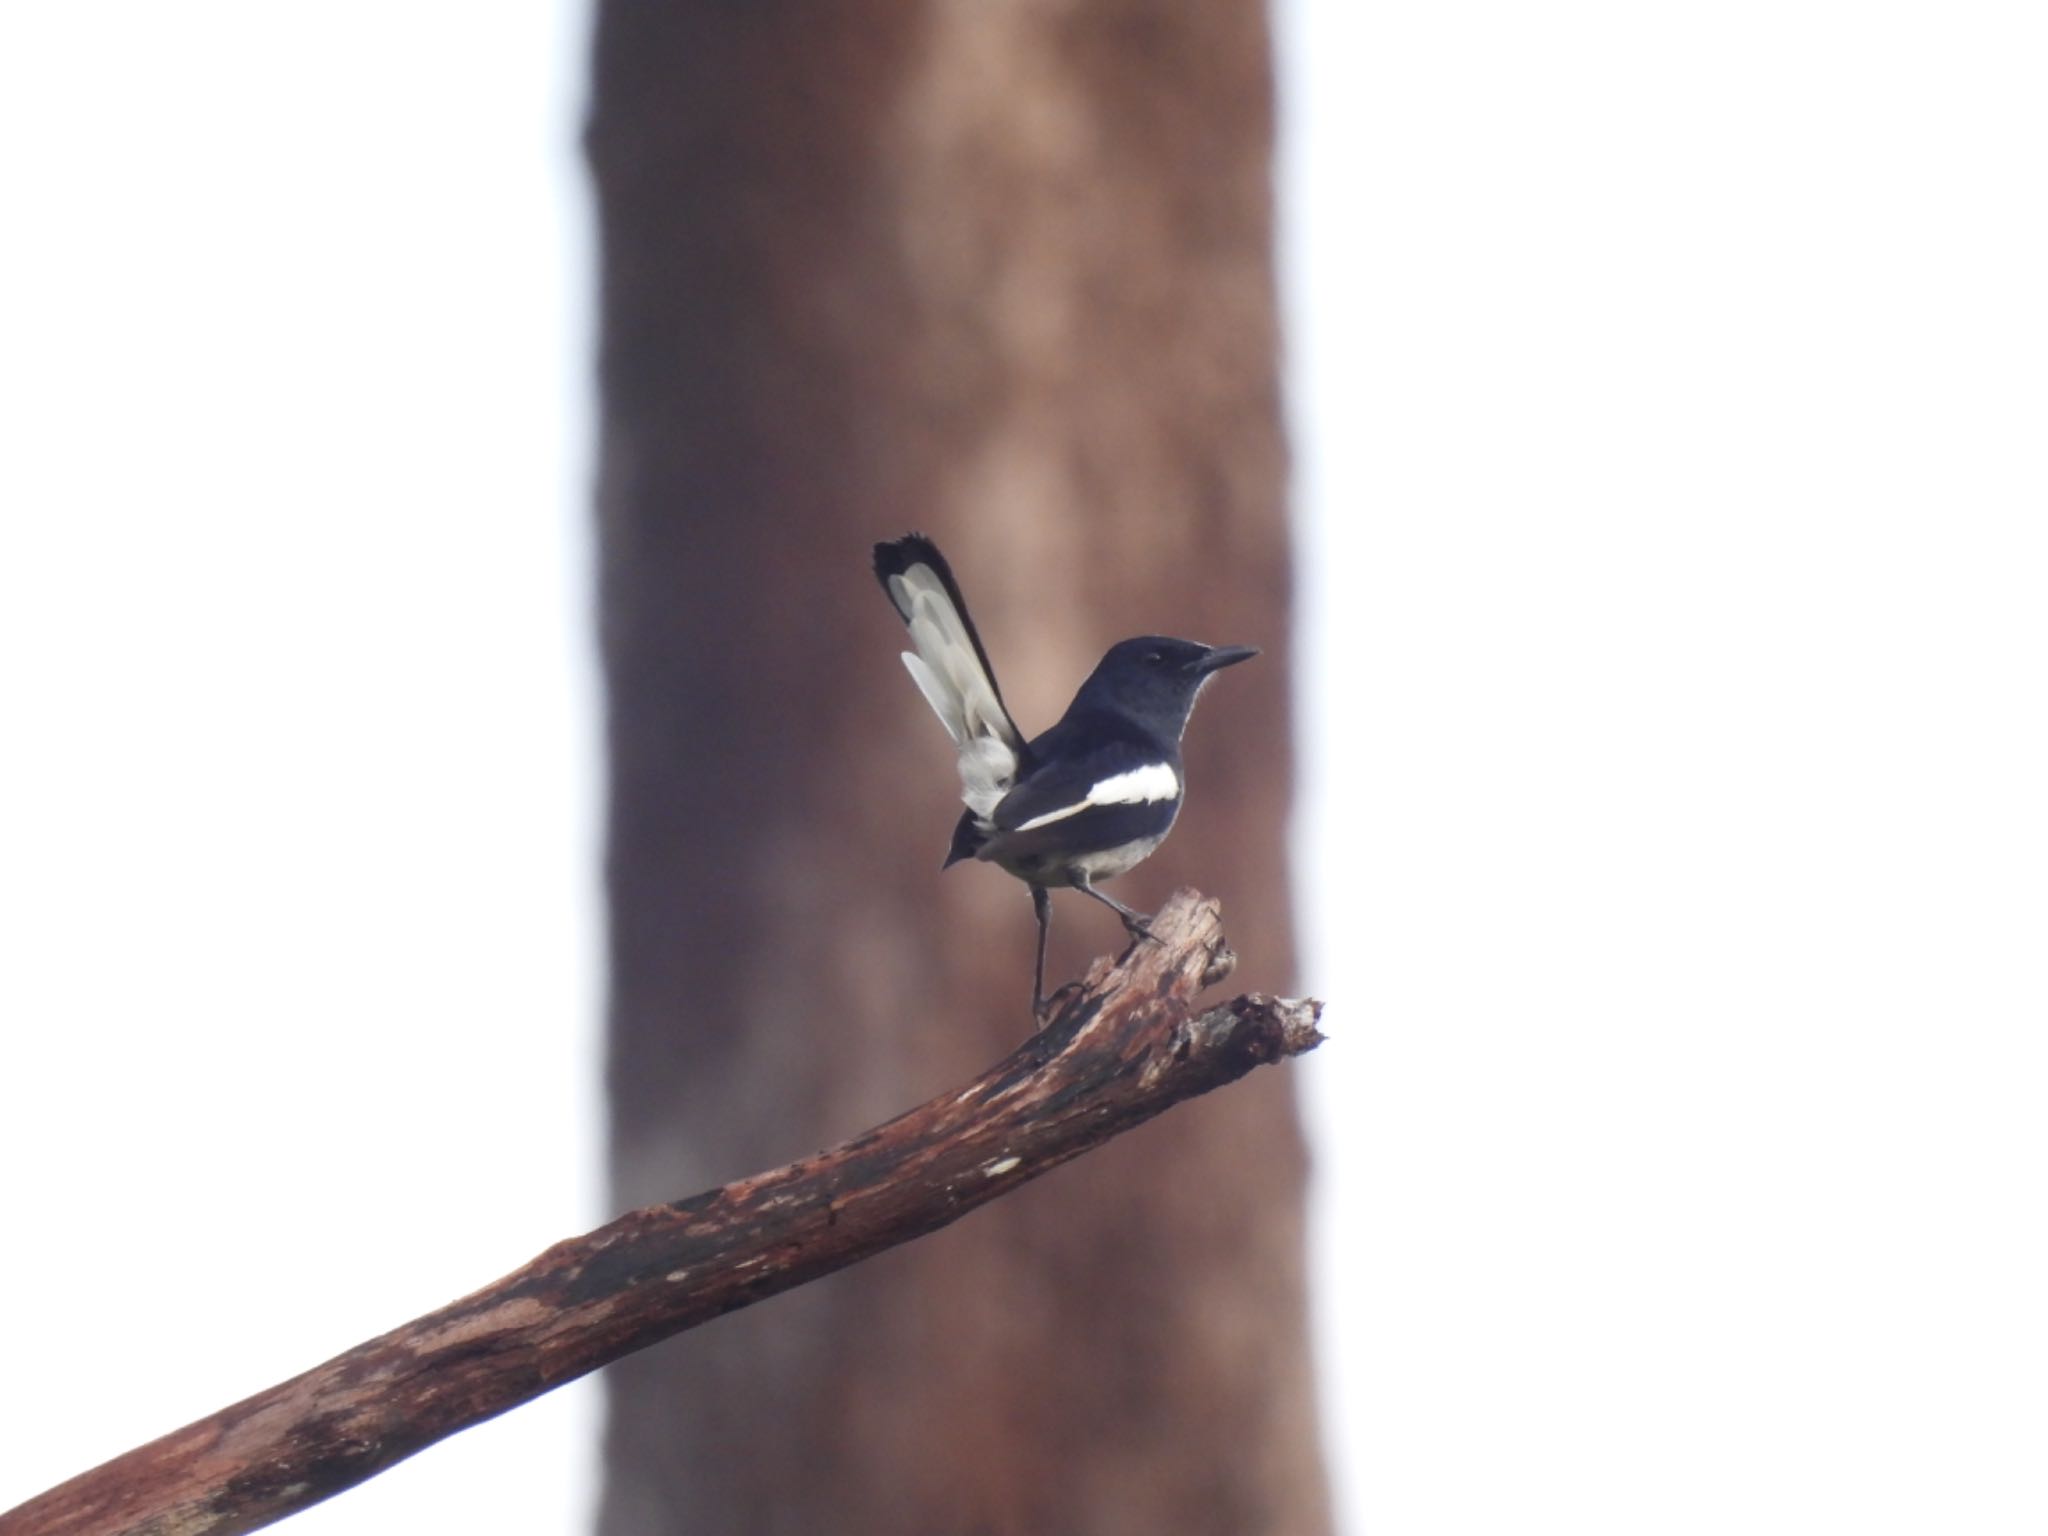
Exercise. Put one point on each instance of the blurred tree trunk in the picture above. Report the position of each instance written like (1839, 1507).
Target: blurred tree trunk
(1001, 271)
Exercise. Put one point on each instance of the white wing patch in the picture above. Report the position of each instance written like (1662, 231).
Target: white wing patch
(1135, 786)
(949, 674)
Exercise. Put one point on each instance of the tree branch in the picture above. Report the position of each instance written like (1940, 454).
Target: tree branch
(1124, 1046)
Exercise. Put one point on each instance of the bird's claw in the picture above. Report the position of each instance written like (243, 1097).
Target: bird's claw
(1044, 1009)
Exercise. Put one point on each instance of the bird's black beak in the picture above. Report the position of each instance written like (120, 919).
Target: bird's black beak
(1222, 656)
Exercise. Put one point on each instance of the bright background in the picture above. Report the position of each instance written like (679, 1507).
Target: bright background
(1672, 399)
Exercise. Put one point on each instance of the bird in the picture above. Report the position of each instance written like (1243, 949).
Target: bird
(1086, 800)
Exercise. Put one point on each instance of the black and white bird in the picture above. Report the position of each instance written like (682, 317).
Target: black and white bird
(1092, 796)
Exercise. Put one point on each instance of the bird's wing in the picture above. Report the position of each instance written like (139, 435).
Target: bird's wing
(1081, 805)
(951, 669)
(1119, 774)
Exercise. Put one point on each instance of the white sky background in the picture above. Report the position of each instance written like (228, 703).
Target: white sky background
(1672, 387)
(298, 888)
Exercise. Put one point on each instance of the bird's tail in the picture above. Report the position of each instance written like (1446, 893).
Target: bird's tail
(951, 669)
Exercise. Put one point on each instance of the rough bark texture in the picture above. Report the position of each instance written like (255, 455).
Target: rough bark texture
(1001, 271)
(1121, 1050)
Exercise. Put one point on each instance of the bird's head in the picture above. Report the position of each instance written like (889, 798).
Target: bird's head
(1155, 679)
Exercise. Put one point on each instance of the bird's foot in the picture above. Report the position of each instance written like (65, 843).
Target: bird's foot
(1043, 1008)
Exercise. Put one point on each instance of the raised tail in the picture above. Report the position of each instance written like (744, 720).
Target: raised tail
(951, 669)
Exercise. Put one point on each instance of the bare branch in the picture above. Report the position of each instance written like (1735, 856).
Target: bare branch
(1124, 1047)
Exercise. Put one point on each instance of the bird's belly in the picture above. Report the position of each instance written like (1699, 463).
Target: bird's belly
(1114, 861)
(1098, 864)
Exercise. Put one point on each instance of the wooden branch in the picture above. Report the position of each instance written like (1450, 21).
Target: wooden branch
(1124, 1046)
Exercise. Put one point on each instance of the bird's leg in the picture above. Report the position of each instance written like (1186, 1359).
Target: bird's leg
(1041, 904)
(1136, 924)
(1041, 1005)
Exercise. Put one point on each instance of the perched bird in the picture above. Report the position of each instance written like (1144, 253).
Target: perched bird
(1089, 798)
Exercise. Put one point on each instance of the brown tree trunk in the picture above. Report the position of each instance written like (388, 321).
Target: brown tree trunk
(1001, 271)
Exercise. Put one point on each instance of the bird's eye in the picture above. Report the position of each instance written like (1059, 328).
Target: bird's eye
(1154, 658)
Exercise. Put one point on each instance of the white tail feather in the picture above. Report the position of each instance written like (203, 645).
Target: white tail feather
(948, 672)
(987, 770)
(938, 695)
